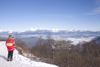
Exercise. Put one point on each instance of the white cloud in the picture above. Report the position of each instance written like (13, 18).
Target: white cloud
(68, 16)
(98, 2)
(95, 10)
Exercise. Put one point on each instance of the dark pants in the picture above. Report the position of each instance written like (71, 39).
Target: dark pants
(10, 54)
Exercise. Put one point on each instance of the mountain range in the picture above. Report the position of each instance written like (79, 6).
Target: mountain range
(46, 31)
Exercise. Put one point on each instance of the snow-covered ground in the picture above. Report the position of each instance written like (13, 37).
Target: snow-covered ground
(18, 60)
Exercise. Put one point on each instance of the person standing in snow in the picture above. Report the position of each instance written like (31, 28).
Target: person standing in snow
(10, 46)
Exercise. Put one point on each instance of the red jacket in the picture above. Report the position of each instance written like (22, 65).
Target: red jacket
(10, 45)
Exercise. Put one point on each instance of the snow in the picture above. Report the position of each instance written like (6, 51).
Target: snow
(35, 29)
(18, 60)
(1, 31)
(32, 29)
(55, 30)
(10, 31)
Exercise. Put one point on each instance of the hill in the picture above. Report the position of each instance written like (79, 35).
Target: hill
(18, 60)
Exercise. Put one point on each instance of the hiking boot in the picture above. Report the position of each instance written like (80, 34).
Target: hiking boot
(8, 59)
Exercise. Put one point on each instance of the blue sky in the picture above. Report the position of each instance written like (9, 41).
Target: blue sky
(21, 15)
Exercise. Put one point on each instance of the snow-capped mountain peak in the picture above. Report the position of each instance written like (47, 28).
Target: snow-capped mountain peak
(10, 31)
(35, 29)
(32, 29)
(55, 30)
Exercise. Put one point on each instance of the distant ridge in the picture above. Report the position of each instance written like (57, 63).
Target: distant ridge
(32, 31)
